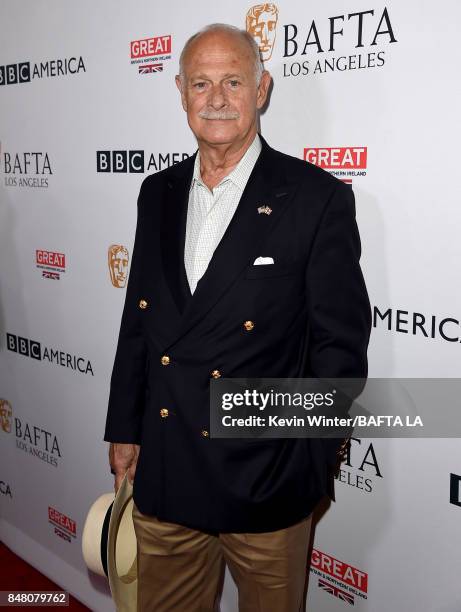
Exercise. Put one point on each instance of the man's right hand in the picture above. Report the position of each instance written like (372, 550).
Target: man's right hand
(123, 458)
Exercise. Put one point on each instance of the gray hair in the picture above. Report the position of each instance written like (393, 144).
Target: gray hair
(224, 27)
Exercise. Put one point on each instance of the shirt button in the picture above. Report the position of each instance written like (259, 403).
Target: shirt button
(248, 325)
(205, 433)
(143, 304)
(216, 374)
(163, 412)
(165, 360)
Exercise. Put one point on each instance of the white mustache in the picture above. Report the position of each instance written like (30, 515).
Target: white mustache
(222, 114)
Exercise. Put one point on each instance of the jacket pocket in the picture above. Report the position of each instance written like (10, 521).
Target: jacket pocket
(273, 270)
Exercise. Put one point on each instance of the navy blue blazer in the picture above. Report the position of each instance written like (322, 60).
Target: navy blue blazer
(311, 318)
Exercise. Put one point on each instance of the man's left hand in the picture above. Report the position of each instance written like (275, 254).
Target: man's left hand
(123, 458)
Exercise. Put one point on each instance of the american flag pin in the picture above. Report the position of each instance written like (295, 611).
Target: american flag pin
(264, 210)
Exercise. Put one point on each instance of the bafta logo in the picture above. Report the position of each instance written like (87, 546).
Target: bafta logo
(6, 413)
(118, 265)
(261, 22)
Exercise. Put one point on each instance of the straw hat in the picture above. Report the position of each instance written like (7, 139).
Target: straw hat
(109, 544)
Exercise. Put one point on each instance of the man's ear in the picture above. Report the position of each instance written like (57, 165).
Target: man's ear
(179, 85)
(263, 89)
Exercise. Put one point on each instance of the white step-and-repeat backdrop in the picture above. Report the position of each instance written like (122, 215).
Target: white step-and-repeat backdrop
(88, 106)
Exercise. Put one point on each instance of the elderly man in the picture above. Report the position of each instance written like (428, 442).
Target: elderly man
(197, 308)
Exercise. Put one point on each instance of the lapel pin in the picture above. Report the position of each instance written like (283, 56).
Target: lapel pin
(264, 210)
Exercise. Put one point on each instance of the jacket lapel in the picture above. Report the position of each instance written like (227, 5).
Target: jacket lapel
(173, 234)
(238, 246)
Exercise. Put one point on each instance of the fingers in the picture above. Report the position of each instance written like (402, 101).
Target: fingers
(119, 476)
(123, 458)
(130, 476)
(118, 481)
(132, 469)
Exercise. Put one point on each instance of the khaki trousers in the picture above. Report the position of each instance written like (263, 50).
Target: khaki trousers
(182, 570)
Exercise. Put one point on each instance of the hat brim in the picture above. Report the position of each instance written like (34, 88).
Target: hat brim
(122, 550)
(94, 535)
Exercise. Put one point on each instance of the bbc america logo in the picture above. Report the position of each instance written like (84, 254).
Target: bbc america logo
(135, 161)
(35, 350)
(25, 72)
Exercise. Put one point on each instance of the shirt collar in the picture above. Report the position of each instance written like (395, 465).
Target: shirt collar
(241, 173)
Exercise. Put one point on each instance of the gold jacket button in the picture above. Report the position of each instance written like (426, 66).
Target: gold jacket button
(165, 360)
(142, 304)
(163, 412)
(205, 433)
(216, 374)
(248, 325)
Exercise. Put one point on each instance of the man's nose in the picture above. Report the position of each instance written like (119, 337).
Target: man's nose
(217, 97)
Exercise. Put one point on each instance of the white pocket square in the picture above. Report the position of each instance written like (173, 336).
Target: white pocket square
(262, 261)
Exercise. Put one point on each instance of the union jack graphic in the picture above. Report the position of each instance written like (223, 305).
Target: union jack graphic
(149, 68)
(334, 590)
(54, 275)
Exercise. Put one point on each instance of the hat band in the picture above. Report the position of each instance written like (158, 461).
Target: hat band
(104, 538)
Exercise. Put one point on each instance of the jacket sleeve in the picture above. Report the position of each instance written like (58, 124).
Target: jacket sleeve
(128, 380)
(339, 308)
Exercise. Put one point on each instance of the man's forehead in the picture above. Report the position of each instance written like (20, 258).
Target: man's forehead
(226, 71)
(208, 66)
(218, 49)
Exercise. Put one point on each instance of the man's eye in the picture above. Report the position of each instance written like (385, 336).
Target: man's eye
(234, 83)
(200, 85)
